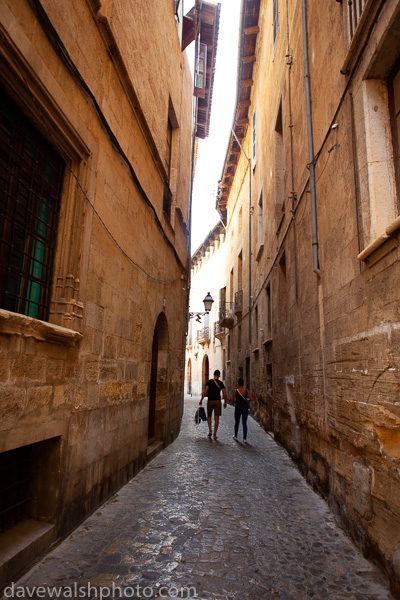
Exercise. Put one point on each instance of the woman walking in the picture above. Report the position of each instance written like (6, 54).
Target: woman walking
(240, 399)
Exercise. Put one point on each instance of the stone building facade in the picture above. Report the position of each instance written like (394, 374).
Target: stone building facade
(310, 197)
(205, 344)
(96, 147)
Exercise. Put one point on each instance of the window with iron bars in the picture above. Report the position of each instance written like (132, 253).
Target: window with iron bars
(15, 476)
(31, 175)
(355, 8)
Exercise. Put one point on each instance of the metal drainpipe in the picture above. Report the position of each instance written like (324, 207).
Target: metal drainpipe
(310, 136)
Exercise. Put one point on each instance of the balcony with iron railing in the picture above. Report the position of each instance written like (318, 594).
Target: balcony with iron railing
(360, 17)
(226, 317)
(238, 304)
(189, 340)
(219, 331)
(203, 335)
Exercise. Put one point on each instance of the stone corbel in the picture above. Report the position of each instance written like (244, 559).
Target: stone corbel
(65, 309)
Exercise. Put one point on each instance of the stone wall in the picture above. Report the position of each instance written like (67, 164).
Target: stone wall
(321, 355)
(85, 378)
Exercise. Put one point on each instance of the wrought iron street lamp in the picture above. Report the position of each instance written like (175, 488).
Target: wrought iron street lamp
(208, 302)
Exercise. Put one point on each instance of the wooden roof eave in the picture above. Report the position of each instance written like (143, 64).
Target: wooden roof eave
(207, 242)
(249, 30)
(203, 122)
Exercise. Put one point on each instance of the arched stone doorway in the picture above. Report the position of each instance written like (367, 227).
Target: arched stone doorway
(158, 382)
(189, 376)
(205, 371)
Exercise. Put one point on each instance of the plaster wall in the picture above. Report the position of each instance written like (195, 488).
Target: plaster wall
(208, 275)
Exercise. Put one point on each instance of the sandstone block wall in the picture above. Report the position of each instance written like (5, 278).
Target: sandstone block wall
(83, 378)
(323, 358)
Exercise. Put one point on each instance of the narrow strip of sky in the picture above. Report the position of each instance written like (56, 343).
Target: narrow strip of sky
(212, 150)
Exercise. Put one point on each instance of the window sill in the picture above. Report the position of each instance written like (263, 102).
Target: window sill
(14, 323)
(267, 341)
(378, 242)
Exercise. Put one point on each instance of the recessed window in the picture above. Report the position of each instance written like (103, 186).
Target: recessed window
(260, 226)
(170, 161)
(240, 271)
(256, 327)
(275, 23)
(29, 483)
(279, 165)
(167, 199)
(268, 312)
(269, 379)
(394, 98)
(282, 289)
(31, 175)
(254, 140)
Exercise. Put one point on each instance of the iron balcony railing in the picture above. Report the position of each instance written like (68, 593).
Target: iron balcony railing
(189, 340)
(218, 330)
(203, 335)
(238, 304)
(355, 9)
(226, 317)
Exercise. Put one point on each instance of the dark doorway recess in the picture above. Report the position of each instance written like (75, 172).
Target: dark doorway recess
(158, 382)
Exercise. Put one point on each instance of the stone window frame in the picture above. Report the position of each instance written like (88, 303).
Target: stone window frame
(260, 225)
(254, 140)
(394, 109)
(170, 207)
(369, 61)
(44, 110)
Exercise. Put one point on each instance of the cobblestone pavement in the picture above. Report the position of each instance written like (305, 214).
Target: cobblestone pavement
(233, 521)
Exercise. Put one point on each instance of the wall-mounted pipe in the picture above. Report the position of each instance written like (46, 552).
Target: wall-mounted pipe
(310, 136)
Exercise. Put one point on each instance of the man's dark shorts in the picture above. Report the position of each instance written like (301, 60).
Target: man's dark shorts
(214, 405)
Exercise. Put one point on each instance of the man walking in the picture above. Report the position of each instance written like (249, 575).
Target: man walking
(213, 390)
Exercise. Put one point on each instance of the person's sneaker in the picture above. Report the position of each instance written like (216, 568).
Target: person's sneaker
(209, 435)
(244, 441)
(234, 437)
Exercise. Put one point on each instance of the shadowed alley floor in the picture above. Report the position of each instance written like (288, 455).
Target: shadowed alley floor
(227, 519)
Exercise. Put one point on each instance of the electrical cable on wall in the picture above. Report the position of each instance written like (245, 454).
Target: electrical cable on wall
(61, 50)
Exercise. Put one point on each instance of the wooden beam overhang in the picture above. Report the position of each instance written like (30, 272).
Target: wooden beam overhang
(248, 36)
(209, 28)
(251, 30)
(249, 59)
(211, 238)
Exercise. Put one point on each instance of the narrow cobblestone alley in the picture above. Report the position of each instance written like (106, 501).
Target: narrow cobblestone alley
(229, 520)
